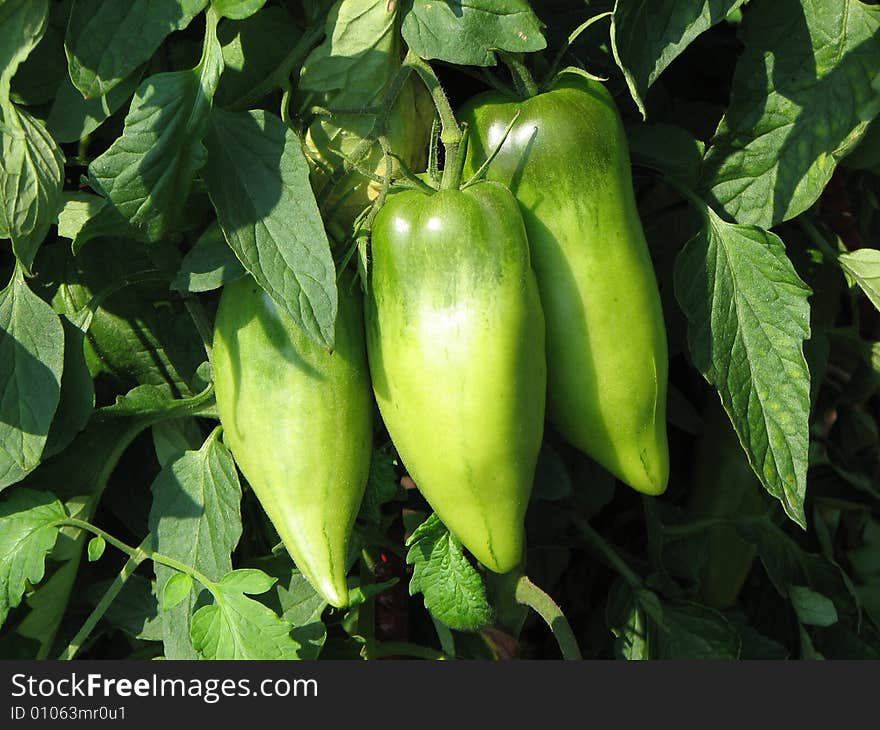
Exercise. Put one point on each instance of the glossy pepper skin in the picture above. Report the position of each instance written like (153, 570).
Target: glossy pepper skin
(724, 485)
(567, 162)
(298, 420)
(455, 336)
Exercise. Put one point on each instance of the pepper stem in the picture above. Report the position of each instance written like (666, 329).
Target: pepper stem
(451, 134)
(521, 75)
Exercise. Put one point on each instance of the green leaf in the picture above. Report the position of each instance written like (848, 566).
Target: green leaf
(363, 593)
(196, 520)
(139, 332)
(172, 439)
(454, 592)
(37, 78)
(77, 400)
(468, 32)
(237, 9)
(153, 400)
(72, 117)
(628, 621)
(248, 580)
(301, 604)
(31, 174)
(692, 631)
(748, 317)
(382, 484)
(107, 39)
(210, 264)
(672, 150)
(47, 606)
(135, 610)
(77, 209)
(238, 627)
(812, 608)
(863, 266)
(31, 359)
(176, 590)
(258, 180)
(22, 24)
(253, 49)
(359, 54)
(147, 173)
(28, 533)
(96, 548)
(802, 98)
(647, 37)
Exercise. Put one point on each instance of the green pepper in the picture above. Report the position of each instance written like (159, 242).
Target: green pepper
(724, 485)
(455, 335)
(567, 162)
(298, 420)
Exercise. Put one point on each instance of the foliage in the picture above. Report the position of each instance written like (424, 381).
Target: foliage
(151, 154)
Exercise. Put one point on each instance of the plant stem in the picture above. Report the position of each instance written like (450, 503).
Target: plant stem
(139, 553)
(403, 648)
(520, 74)
(366, 620)
(528, 594)
(109, 596)
(608, 552)
(450, 132)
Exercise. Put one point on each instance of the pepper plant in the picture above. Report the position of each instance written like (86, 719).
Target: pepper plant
(431, 329)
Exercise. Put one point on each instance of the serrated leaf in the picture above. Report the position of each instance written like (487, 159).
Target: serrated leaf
(176, 590)
(195, 518)
(147, 173)
(107, 39)
(812, 608)
(468, 32)
(863, 266)
(748, 318)
(258, 180)
(28, 533)
(31, 358)
(238, 627)
(96, 548)
(804, 92)
(209, 264)
(31, 174)
(647, 37)
(22, 24)
(453, 591)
